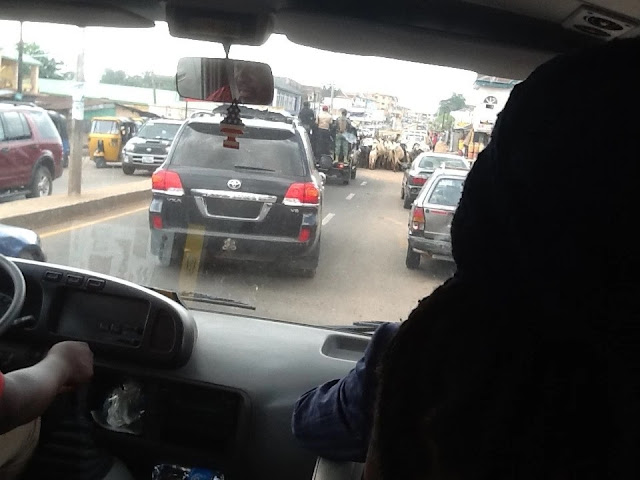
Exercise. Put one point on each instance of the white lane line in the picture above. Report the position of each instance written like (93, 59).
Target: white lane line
(327, 218)
(350, 196)
(363, 184)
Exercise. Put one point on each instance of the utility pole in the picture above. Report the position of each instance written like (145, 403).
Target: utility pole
(331, 99)
(77, 134)
(153, 85)
(20, 66)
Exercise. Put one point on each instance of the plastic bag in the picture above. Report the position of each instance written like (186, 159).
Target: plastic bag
(123, 409)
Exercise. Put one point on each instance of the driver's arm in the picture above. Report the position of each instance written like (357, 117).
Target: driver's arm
(334, 420)
(28, 392)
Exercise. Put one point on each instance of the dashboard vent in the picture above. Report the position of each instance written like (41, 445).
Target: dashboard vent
(600, 23)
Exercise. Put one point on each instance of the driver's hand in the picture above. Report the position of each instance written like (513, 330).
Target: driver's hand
(75, 360)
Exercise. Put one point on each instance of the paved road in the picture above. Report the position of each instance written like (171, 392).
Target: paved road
(361, 275)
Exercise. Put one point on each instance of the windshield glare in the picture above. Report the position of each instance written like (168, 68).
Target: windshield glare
(254, 221)
(200, 145)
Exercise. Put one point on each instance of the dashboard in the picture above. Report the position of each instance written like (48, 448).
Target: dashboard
(219, 389)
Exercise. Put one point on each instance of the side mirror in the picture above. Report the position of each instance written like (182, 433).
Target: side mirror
(323, 177)
(223, 80)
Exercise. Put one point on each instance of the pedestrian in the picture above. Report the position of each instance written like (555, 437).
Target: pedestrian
(306, 117)
(324, 135)
(342, 126)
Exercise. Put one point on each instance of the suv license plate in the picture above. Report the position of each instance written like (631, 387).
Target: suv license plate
(147, 159)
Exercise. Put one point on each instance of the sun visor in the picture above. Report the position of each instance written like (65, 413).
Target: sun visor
(213, 26)
(75, 13)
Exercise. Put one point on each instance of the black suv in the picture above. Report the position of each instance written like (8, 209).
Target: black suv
(261, 202)
(149, 148)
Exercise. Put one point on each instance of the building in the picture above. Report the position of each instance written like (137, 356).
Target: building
(287, 95)
(9, 71)
(489, 98)
(103, 99)
(387, 103)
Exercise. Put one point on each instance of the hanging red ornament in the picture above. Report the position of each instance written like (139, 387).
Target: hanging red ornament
(232, 126)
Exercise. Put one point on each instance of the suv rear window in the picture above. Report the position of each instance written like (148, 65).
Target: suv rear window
(266, 149)
(16, 126)
(46, 127)
(447, 192)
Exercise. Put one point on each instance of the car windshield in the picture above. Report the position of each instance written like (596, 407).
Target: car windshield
(263, 150)
(104, 126)
(242, 212)
(157, 130)
(431, 163)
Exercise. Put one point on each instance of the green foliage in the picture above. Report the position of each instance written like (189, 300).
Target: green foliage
(451, 104)
(49, 68)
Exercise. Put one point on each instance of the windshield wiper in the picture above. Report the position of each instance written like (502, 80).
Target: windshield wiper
(257, 169)
(359, 327)
(205, 298)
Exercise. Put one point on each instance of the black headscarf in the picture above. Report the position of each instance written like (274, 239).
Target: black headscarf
(526, 364)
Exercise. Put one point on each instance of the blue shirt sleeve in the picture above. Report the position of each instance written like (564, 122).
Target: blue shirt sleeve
(334, 420)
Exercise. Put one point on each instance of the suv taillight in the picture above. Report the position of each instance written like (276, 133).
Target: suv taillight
(302, 194)
(417, 218)
(167, 181)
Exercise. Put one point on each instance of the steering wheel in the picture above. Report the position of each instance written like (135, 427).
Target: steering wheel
(19, 293)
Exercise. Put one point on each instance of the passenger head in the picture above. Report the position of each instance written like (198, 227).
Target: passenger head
(325, 108)
(526, 364)
(344, 112)
(250, 80)
(305, 104)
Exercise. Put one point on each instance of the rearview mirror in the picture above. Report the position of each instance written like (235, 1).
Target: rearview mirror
(223, 80)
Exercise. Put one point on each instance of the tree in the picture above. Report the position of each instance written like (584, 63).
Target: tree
(146, 80)
(453, 103)
(442, 121)
(50, 67)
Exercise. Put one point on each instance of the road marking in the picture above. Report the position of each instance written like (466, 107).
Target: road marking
(350, 196)
(363, 184)
(92, 222)
(327, 218)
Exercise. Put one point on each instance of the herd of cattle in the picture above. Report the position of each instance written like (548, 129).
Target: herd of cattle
(387, 154)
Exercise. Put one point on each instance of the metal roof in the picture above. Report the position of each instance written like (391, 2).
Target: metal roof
(12, 54)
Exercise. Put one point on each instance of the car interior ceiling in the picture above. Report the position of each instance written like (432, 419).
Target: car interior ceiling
(506, 38)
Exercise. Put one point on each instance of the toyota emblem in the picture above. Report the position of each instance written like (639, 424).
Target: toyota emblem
(148, 149)
(234, 184)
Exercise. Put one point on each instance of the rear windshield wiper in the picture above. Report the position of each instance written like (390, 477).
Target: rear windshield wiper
(204, 298)
(257, 169)
(366, 328)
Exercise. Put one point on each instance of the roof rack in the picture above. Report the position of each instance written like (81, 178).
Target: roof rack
(203, 113)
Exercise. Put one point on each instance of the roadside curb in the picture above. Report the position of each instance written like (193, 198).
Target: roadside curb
(38, 213)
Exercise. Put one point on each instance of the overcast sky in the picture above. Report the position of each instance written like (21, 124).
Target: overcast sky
(418, 86)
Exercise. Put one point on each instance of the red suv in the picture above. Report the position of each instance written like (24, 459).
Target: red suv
(30, 151)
